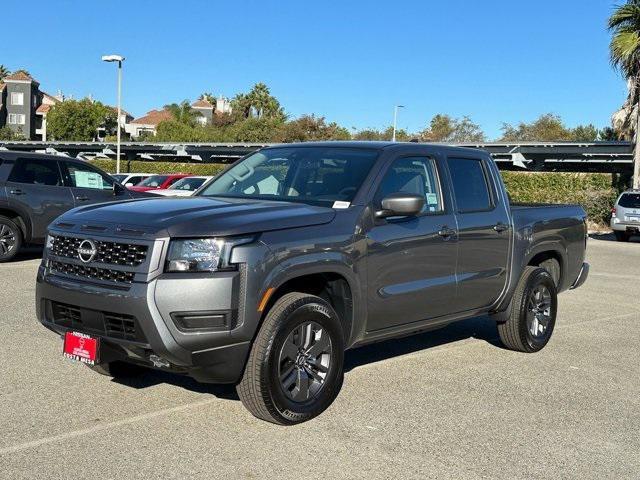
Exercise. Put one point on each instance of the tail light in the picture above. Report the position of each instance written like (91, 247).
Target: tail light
(614, 212)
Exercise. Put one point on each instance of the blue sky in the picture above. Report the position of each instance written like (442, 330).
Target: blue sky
(351, 61)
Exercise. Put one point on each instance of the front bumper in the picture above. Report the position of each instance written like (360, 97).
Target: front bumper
(215, 355)
(582, 276)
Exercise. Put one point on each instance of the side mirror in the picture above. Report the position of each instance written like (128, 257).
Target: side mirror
(401, 205)
(118, 189)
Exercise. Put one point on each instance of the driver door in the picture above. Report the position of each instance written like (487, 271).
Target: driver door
(411, 261)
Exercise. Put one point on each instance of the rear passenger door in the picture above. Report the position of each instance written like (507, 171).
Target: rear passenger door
(36, 190)
(483, 232)
(89, 185)
(411, 261)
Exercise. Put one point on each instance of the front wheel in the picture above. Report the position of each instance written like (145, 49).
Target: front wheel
(10, 239)
(533, 312)
(295, 368)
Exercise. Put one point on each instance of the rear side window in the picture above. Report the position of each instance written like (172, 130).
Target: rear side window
(36, 172)
(470, 185)
(630, 200)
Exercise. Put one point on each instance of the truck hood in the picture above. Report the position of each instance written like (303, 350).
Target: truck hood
(199, 216)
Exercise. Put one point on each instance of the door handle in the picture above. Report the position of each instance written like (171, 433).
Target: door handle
(16, 191)
(446, 232)
(500, 227)
(82, 199)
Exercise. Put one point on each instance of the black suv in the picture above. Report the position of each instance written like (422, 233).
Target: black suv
(37, 188)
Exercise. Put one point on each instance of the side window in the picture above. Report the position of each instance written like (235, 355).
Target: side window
(470, 185)
(416, 175)
(173, 180)
(82, 176)
(36, 172)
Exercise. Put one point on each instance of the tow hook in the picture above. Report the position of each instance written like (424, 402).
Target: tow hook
(159, 362)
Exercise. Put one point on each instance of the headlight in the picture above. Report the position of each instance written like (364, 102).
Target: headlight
(196, 255)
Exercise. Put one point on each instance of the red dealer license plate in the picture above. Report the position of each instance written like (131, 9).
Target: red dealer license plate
(80, 347)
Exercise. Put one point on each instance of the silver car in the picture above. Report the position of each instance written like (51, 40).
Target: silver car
(625, 218)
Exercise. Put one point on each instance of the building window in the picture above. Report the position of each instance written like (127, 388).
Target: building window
(17, 98)
(16, 119)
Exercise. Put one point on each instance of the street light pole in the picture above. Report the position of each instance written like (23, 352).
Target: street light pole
(636, 149)
(395, 121)
(119, 59)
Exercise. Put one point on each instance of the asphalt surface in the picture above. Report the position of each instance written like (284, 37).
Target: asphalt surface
(446, 404)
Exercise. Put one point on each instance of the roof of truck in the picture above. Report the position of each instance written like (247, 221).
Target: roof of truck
(373, 144)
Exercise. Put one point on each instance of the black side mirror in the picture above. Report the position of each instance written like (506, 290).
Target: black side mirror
(118, 189)
(401, 205)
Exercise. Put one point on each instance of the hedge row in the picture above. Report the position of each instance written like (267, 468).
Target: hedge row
(594, 191)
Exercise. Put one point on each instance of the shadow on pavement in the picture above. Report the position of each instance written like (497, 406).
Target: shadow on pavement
(28, 253)
(609, 237)
(478, 327)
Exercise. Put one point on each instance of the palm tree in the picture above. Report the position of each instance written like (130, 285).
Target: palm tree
(624, 51)
(183, 113)
(4, 71)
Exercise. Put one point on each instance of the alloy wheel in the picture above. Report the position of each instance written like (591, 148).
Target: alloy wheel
(304, 361)
(7, 240)
(539, 312)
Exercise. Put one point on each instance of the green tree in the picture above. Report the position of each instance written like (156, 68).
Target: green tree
(309, 128)
(444, 128)
(546, 128)
(183, 113)
(6, 133)
(4, 72)
(585, 133)
(209, 97)
(78, 120)
(177, 131)
(624, 52)
(258, 102)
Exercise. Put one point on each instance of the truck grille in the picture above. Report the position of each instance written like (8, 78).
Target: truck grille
(131, 255)
(109, 324)
(104, 274)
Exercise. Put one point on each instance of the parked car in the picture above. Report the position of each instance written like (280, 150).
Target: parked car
(184, 187)
(625, 217)
(130, 179)
(299, 252)
(158, 182)
(37, 188)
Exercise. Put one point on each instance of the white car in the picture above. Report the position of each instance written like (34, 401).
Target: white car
(184, 187)
(130, 179)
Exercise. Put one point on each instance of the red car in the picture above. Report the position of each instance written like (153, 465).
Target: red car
(158, 181)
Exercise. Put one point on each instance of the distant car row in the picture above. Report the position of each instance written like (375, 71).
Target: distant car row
(175, 184)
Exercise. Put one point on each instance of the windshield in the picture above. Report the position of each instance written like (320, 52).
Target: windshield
(153, 181)
(320, 175)
(630, 200)
(188, 183)
(119, 178)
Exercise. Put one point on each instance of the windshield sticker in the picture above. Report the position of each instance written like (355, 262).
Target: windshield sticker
(432, 199)
(340, 204)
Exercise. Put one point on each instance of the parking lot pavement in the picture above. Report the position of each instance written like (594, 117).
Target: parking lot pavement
(443, 404)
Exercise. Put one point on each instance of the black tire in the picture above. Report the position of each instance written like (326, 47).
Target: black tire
(10, 239)
(622, 236)
(118, 369)
(553, 267)
(516, 333)
(261, 389)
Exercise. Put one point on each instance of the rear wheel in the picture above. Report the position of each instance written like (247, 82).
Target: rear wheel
(295, 368)
(10, 239)
(622, 236)
(533, 312)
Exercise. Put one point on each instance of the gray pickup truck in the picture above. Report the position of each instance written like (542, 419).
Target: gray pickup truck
(295, 254)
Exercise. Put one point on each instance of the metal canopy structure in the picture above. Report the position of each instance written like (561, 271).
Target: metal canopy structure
(613, 157)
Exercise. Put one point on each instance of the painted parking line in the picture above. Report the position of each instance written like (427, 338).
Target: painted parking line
(104, 426)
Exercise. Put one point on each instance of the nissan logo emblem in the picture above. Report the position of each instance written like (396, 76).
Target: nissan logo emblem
(87, 250)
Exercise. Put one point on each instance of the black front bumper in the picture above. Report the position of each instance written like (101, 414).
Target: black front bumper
(150, 336)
